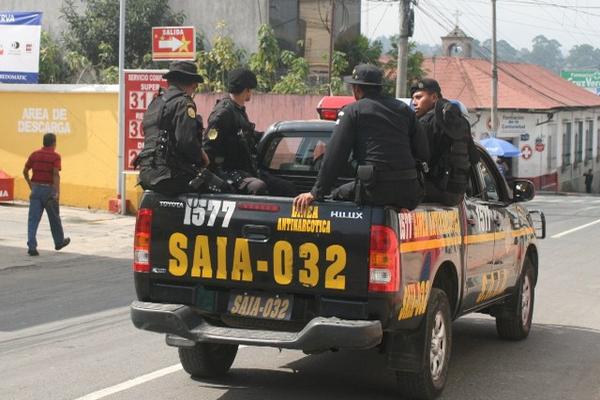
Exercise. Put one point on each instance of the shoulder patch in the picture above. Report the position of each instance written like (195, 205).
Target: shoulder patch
(212, 134)
(191, 112)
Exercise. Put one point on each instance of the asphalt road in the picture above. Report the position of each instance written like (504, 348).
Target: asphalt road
(65, 331)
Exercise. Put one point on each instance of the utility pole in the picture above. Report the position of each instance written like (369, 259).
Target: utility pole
(122, 183)
(401, 71)
(331, 42)
(494, 116)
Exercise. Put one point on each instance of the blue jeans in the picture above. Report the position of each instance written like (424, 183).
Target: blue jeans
(42, 198)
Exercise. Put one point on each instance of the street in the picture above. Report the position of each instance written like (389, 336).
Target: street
(65, 331)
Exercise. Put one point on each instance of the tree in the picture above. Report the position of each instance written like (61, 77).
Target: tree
(546, 52)
(215, 64)
(358, 51)
(265, 63)
(414, 69)
(294, 82)
(505, 51)
(583, 56)
(53, 68)
(94, 34)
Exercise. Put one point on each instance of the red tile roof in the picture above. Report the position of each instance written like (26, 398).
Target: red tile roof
(520, 86)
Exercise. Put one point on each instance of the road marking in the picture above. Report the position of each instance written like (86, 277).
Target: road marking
(558, 235)
(100, 394)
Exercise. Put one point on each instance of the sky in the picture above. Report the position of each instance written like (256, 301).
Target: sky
(571, 22)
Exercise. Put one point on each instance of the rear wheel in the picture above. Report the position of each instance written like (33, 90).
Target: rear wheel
(437, 330)
(208, 360)
(514, 321)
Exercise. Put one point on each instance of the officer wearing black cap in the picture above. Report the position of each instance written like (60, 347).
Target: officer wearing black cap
(230, 141)
(172, 155)
(450, 140)
(383, 136)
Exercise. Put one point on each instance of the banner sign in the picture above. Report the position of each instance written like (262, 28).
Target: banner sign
(141, 87)
(173, 43)
(588, 79)
(20, 46)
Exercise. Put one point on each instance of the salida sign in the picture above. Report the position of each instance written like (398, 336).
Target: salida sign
(141, 87)
(173, 43)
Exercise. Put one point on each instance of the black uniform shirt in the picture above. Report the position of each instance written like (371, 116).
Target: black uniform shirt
(228, 139)
(380, 131)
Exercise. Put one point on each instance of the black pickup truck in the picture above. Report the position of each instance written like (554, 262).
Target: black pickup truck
(214, 271)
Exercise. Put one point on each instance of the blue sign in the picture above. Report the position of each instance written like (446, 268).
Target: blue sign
(20, 46)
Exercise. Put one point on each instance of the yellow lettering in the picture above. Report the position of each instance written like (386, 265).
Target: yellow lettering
(201, 266)
(178, 265)
(309, 275)
(236, 304)
(282, 262)
(241, 270)
(255, 307)
(333, 274)
(244, 306)
(221, 257)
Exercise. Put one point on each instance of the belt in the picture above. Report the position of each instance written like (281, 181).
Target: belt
(42, 184)
(403, 174)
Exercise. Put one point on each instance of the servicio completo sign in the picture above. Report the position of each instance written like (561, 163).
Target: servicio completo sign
(589, 79)
(20, 46)
(141, 87)
(173, 43)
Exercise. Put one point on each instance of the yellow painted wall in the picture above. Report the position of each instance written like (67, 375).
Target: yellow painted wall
(86, 125)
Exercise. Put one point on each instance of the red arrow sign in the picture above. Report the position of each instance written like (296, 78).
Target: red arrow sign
(539, 147)
(173, 43)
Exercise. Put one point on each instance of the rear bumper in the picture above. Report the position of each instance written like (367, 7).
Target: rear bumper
(319, 334)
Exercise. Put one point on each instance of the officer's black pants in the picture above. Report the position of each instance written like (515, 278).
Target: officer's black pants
(400, 194)
(434, 195)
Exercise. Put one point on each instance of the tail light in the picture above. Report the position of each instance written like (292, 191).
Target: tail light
(384, 260)
(265, 207)
(330, 114)
(141, 241)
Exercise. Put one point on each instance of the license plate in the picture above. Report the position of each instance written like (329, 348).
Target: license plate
(256, 305)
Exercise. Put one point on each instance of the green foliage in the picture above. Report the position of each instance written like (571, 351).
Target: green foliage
(584, 56)
(215, 64)
(546, 52)
(360, 51)
(266, 61)
(295, 81)
(53, 69)
(414, 66)
(339, 66)
(94, 33)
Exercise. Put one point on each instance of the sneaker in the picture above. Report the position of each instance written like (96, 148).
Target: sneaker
(65, 243)
(33, 252)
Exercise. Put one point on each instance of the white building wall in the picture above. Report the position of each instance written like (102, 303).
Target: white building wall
(526, 129)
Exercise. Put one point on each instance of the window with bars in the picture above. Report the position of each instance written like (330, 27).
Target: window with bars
(578, 141)
(566, 143)
(589, 139)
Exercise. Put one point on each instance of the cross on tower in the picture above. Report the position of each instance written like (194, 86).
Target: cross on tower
(457, 14)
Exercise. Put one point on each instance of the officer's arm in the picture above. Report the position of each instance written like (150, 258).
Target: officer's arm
(218, 126)
(419, 141)
(336, 155)
(186, 132)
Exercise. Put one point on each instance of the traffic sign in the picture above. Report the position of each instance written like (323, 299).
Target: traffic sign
(526, 152)
(539, 147)
(173, 43)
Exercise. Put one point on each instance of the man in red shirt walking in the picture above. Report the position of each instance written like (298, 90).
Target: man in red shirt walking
(45, 189)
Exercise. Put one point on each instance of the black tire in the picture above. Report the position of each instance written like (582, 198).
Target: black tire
(208, 360)
(514, 321)
(437, 330)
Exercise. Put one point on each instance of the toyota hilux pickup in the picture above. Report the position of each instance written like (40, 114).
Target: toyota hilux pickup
(215, 271)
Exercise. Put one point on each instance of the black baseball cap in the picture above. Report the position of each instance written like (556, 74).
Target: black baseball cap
(240, 79)
(365, 74)
(427, 84)
(183, 70)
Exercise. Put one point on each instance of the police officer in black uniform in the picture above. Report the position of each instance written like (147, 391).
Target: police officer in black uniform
(383, 135)
(172, 156)
(452, 148)
(231, 142)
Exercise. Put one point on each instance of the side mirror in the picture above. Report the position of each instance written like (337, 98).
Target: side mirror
(523, 190)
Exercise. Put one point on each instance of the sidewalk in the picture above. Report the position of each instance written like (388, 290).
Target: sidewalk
(91, 232)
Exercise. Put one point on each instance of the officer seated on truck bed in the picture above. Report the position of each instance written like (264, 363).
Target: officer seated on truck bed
(386, 143)
(172, 161)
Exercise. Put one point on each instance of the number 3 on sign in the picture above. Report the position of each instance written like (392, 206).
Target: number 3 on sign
(135, 130)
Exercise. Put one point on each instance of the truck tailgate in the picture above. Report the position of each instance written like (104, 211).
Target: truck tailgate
(251, 242)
